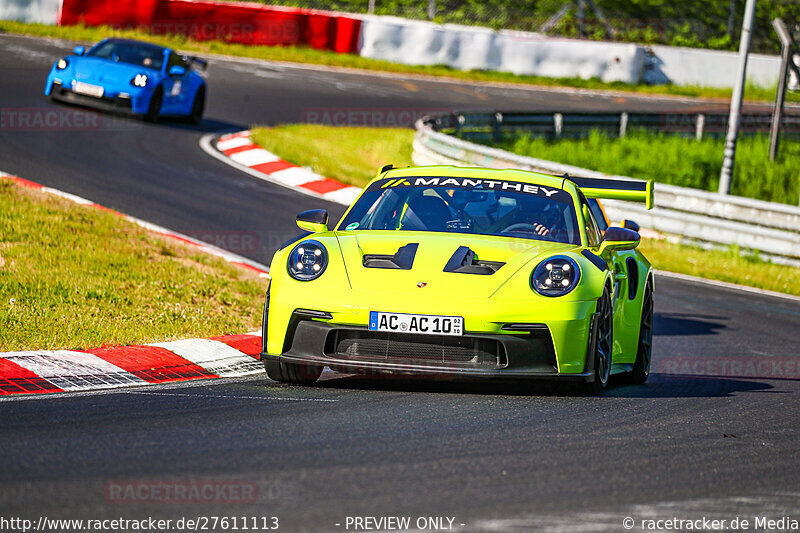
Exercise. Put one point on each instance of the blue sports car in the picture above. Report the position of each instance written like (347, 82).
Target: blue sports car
(132, 77)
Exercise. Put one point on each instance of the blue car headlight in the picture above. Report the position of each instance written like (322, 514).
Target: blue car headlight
(556, 276)
(140, 80)
(61, 64)
(308, 260)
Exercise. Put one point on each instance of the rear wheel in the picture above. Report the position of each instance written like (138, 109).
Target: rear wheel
(644, 351)
(292, 372)
(602, 344)
(198, 106)
(155, 105)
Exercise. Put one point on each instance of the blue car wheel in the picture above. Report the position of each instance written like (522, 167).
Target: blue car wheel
(155, 105)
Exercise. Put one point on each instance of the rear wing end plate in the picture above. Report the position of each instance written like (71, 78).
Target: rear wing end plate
(616, 189)
(195, 61)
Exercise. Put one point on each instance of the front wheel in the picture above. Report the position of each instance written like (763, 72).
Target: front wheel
(292, 372)
(198, 106)
(155, 106)
(601, 344)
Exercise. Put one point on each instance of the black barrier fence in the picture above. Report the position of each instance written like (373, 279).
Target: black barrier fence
(494, 126)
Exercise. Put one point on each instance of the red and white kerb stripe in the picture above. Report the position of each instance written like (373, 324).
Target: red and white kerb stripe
(41, 371)
(239, 148)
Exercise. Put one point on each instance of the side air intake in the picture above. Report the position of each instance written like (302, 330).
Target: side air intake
(402, 260)
(464, 261)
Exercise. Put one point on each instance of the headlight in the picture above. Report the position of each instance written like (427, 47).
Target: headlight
(556, 276)
(62, 64)
(139, 81)
(307, 260)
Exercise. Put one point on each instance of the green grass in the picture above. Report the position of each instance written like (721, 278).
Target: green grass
(678, 161)
(354, 154)
(296, 54)
(351, 155)
(73, 277)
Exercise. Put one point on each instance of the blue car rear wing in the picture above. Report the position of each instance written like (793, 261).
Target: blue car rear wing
(192, 61)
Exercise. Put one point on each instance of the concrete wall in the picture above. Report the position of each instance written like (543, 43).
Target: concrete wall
(709, 68)
(466, 47)
(41, 11)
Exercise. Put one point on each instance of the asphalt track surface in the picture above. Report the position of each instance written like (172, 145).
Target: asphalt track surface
(495, 457)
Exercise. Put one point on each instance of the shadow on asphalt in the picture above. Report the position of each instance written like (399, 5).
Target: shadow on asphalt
(207, 125)
(125, 121)
(687, 324)
(658, 386)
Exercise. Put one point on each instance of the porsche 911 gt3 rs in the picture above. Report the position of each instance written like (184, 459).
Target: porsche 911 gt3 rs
(130, 77)
(465, 272)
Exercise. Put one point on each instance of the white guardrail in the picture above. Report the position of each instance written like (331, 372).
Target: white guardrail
(698, 216)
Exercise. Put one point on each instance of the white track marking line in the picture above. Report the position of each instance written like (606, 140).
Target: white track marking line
(727, 285)
(68, 196)
(157, 393)
(214, 356)
(256, 156)
(74, 371)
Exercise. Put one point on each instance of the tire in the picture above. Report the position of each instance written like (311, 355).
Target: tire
(198, 106)
(155, 106)
(292, 372)
(644, 350)
(601, 345)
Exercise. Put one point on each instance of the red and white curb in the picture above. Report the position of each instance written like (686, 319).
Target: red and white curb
(43, 372)
(236, 149)
(230, 257)
(50, 371)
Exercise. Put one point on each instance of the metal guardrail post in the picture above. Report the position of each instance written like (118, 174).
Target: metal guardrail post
(735, 118)
(700, 126)
(558, 124)
(623, 124)
(787, 45)
(497, 125)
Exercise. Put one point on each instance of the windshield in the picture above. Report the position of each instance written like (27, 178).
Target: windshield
(143, 55)
(466, 205)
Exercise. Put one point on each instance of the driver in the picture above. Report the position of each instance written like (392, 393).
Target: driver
(531, 215)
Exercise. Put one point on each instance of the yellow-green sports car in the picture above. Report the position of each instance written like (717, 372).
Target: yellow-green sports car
(465, 272)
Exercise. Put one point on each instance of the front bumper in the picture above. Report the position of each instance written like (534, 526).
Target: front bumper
(133, 102)
(356, 349)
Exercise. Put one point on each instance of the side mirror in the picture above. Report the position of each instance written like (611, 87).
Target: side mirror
(79, 50)
(618, 239)
(177, 70)
(315, 221)
(631, 225)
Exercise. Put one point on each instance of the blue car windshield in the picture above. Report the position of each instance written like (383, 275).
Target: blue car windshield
(140, 54)
(466, 205)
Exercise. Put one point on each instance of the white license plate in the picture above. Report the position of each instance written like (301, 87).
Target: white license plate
(88, 89)
(420, 324)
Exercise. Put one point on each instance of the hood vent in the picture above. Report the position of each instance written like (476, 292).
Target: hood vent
(402, 260)
(464, 261)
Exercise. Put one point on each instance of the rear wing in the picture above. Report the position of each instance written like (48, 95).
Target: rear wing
(615, 189)
(196, 62)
